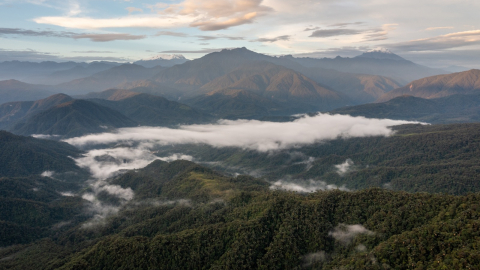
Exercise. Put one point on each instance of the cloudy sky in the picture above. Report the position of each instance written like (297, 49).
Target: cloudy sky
(435, 33)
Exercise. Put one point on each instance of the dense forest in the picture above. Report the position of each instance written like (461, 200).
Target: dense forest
(185, 216)
(24, 156)
(417, 158)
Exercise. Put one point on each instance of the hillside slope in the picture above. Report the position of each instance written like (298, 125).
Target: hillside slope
(107, 79)
(236, 104)
(446, 110)
(187, 216)
(279, 84)
(374, 63)
(24, 156)
(467, 82)
(155, 111)
(13, 90)
(74, 118)
(15, 111)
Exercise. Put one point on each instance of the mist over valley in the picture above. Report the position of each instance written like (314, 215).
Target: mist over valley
(239, 134)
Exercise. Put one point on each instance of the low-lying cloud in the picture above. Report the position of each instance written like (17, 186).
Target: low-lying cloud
(345, 233)
(252, 134)
(312, 258)
(303, 186)
(105, 163)
(48, 174)
(345, 167)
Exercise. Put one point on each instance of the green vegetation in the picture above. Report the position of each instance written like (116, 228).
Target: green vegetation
(74, 118)
(236, 104)
(252, 227)
(30, 205)
(417, 158)
(186, 216)
(24, 156)
(149, 110)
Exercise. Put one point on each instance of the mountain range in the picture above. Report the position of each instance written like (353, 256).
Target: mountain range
(467, 82)
(456, 108)
(377, 62)
(24, 156)
(407, 199)
(238, 83)
(148, 110)
(108, 79)
(50, 72)
(164, 60)
(281, 85)
(16, 111)
(71, 119)
(63, 116)
(13, 90)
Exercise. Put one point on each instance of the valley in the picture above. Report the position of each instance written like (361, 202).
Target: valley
(239, 159)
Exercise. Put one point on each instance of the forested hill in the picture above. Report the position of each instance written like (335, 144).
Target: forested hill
(417, 158)
(184, 216)
(445, 110)
(24, 156)
(37, 180)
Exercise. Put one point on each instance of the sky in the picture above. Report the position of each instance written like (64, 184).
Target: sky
(437, 33)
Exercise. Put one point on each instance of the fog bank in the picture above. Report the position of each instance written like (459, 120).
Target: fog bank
(251, 134)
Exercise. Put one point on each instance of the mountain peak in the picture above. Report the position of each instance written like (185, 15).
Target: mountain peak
(380, 50)
(164, 60)
(465, 83)
(380, 53)
(237, 50)
(165, 57)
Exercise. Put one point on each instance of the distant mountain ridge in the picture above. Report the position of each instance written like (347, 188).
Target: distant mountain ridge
(63, 116)
(108, 79)
(78, 72)
(16, 111)
(279, 84)
(150, 110)
(13, 90)
(467, 82)
(374, 63)
(24, 156)
(308, 85)
(164, 60)
(73, 118)
(235, 104)
(49, 72)
(110, 94)
(381, 53)
(446, 110)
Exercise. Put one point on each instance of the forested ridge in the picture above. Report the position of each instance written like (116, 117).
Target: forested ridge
(24, 156)
(416, 158)
(185, 216)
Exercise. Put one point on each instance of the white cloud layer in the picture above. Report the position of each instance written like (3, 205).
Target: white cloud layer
(105, 163)
(304, 186)
(252, 134)
(345, 233)
(345, 167)
(47, 174)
